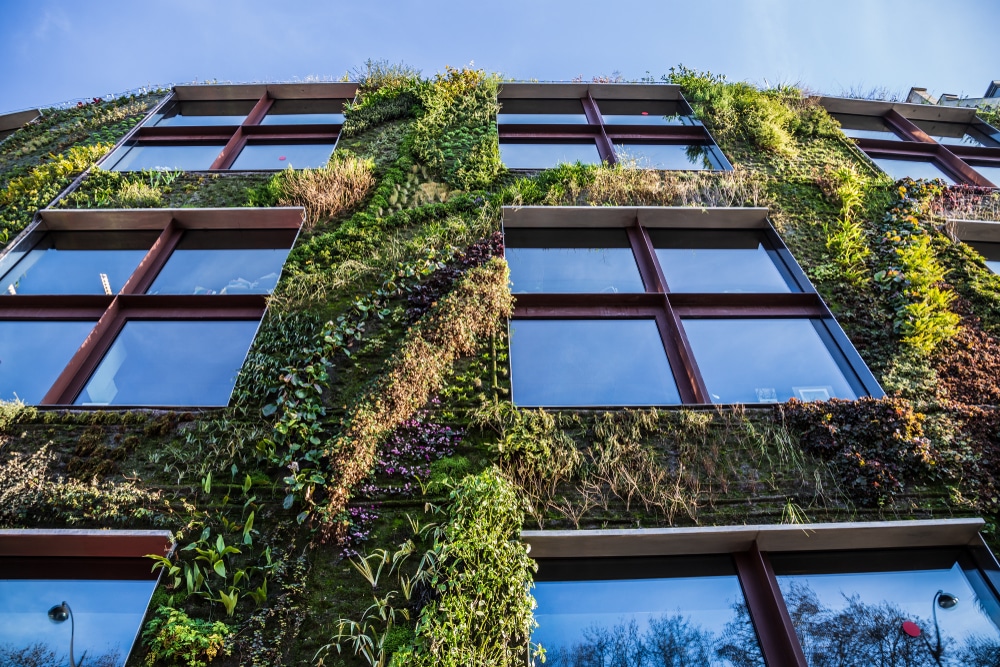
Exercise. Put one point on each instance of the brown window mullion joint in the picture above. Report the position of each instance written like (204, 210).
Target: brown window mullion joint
(153, 262)
(690, 384)
(604, 145)
(71, 381)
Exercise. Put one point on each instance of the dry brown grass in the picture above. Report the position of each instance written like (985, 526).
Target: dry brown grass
(329, 191)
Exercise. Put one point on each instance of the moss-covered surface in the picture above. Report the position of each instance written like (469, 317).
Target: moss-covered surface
(373, 411)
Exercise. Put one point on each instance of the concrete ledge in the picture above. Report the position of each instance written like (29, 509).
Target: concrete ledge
(730, 539)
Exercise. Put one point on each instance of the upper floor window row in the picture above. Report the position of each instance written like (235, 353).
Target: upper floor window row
(542, 125)
(244, 127)
(922, 141)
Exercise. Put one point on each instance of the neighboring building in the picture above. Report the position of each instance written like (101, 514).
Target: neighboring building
(990, 99)
(686, 372)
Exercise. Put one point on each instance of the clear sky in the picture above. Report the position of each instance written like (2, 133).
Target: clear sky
(59, 50)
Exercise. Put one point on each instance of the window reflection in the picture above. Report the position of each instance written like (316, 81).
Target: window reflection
(866, 127)
(898, 168)
(718, 261)
(203, 113)
(563, 363)
(184, 157)
(562, 261)
(283, 156)
(547, 154)
(34, 353)
(669, 611)
(856, 618)
(541, 112)
(171, 362)
(305, 112)
(107, 615)
(989, 172)
(644, 112)
(652, 155)
(765, 360)
(954, 134)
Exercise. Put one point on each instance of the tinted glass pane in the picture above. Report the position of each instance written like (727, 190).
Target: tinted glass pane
(644, 112)
(867, 610)
(765, 360)
(107, 615)
(717, 261)
(664, 156)
(76, 263)
(866, 127)
(171, 363)
(283, 156)
(33, 354)
(305, 112)
(990, 252)
(177, 114)
(991, 173)
(954, 134)
(663, 618)
(571, 260)
(548, 112)
(589, 363)
(915, 169)
(184, 157)
(545, 155)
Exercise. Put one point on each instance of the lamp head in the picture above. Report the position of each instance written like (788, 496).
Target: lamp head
(59, 613)
(946, 600)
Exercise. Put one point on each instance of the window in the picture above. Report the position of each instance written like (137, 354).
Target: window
(983, 236)
(874, 594)
(922, 141)
(88, 586)
(137, 307)
(12, 122)
(244, 127)
(543, 125)
(666, 306)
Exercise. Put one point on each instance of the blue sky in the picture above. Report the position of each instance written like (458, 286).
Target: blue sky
(55, 51)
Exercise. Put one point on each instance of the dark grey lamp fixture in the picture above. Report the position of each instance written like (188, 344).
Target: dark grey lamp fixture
(58, 614)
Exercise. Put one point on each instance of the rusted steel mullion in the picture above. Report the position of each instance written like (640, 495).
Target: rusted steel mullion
(958, 167)
(645, 258)
(674, 134)
(604, 145)
(53, 306)
(182, 133)
(748, 311)
(86, 359)
(687, 377)
(770, 617)
(153, 262)
(586, 301)
(904, 126)
(570, 312)
(259, 110)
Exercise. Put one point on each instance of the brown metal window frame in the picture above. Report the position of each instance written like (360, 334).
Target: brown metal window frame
(668, 308)
(233, 138)
(915, 144)
(750, 546)
(596, 130)
(113, 312)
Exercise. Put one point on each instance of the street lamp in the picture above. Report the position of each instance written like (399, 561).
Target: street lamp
(58, 614)
(945, 601)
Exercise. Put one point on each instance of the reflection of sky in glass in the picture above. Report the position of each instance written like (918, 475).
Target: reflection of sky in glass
(992, 174)
(569, 270)
(203, 113)
(911, 592)
(107, 615)
(764, 360)
(33, 354)
(952, 134)
(866, 127)
(243, 271)
(171, 363)
(184, 157)
(663, 156)
(993, 266)
(748, 270)
(52, 271)
(304, 112)
(915, 169)
(545, 155)
(589, 363)
(542, 118)
(566, 609)
(282, 156)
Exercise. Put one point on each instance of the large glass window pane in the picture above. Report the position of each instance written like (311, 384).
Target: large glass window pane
(34, 353)
(652, 155)
(632, 612)
(717, 261)
(547, 154)
(765, 360)
(541, 112)
(953, 134)
(283, 156)
(208, 112)
(886, 609)
(78, 263)
(561, 261)
(992, 173)
(305, 112)
(644, 112)
(990, 252)
(565, 363)
(186, 157)
(162, 362)
(898, 168)
(866, 127)
(106, 617)
(213, 262)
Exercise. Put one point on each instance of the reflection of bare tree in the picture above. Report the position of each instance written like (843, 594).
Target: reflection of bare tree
(41, 655)
(858, 635)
